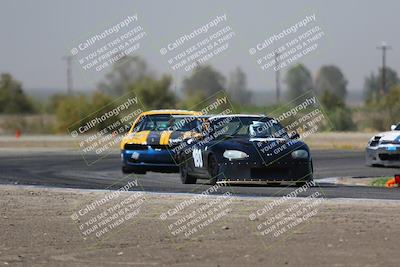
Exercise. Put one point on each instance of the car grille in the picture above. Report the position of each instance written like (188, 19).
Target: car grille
(135, 147)
(269, 173)
(389, 156)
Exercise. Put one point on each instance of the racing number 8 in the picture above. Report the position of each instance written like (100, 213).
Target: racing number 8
(197, 158)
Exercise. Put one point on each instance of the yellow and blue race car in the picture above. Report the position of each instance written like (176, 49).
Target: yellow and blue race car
(147, 145)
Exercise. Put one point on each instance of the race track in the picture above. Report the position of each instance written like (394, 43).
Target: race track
(68, 169)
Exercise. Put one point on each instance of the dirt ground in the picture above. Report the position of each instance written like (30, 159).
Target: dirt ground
(42, 227)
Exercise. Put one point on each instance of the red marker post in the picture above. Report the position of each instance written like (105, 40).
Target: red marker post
(17, 134)
(397, 179)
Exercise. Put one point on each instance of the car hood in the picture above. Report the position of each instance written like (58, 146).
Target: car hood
(389, 136)
(155, 137)
(247, 141)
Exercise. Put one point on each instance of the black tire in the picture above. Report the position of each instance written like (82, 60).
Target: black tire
(312, 169)
(213, 169)
(185, 177)
(309, 177)
(300, 184)
(127, 170)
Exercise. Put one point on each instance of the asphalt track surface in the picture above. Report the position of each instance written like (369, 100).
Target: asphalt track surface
(69, 170)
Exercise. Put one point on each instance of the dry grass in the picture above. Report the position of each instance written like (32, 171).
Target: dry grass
(332, 140)
(339, 140)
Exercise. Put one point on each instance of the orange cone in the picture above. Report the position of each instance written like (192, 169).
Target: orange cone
(390, 183)
(394, 182)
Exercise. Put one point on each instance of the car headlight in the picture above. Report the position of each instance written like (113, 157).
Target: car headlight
(235, 154)
(300, 154)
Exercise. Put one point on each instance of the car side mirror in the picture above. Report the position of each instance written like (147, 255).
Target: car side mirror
(294, 135)
(392, 127)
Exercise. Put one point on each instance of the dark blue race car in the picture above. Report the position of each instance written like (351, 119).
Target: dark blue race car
(245, 149)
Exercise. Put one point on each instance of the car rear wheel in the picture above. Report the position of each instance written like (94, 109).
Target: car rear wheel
(185, 177)
(127, 170)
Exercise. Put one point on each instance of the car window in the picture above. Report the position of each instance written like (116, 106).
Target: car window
(265, 129)
(186, 124)
(248, 126)
(154, 123)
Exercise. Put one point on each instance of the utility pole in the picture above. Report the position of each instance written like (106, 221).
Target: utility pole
(68, 59)
(383, 47)
(277, 79)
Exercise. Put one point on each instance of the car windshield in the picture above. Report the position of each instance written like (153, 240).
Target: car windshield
(186, 124)
(154, 123)
(397, 127)
(252, 127)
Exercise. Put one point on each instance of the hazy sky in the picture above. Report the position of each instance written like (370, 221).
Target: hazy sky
(35, 35)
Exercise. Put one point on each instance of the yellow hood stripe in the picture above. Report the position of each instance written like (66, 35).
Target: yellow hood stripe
(164, 140)
(140, 137)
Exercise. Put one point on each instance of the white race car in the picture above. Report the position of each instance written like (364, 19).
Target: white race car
(384, 149)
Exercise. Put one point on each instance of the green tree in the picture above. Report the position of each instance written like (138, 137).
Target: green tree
(237, 87)
(131, 74)
(77, 110)
(127, 71)
(204, 80)
(339, 115)
(12, 96)
(390, 105)
(99, 103)
(331, 101)
(373, 83)
(155, 94)
(298, 79)
(331, 78)
(71, 110)
(192, 101)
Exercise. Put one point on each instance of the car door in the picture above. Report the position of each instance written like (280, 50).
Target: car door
(198, 160)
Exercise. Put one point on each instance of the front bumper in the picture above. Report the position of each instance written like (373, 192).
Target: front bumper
(256, 172)
(388, 156)
(149, 160)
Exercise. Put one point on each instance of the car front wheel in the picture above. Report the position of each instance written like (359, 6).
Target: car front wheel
(213, 169)
(186, 178)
